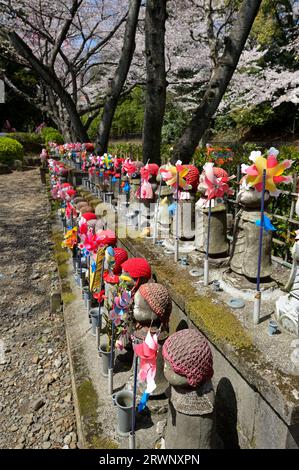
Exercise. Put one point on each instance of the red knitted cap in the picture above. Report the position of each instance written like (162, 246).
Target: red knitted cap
(220, 172)
(189, 354)
(137, 268)
(120, 256)
(89, 216)
(192, 176)
(158, 298)
(153, 168)
(89, 146)
(106, 237)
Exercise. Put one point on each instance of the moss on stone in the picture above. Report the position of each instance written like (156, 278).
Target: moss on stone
(68, 297)
(87, 399)
(102, 442)
(63, 270)
(62, 257)
(221, 324)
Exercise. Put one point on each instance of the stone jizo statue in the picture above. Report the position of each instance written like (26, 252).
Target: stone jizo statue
(189, 369)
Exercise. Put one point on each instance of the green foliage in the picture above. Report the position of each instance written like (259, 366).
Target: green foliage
(31, 141)
(126, 149)
(49, 134)
(256, 116)
(129, 114)
(128, 117)
(27, 137)
(175, 119)
(10, 150)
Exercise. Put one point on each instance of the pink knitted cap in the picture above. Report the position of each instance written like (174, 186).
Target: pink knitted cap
(189, 355)
(158, 298)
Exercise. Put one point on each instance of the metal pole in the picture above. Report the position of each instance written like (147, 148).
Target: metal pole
(110, 370)
(133, 426)
(156, 212)
(257, 299)
(176, 248)
(206, 260)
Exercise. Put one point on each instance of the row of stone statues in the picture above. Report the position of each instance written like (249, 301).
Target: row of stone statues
(184, 364)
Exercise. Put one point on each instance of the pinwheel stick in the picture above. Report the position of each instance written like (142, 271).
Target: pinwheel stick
(156, 213)
(99, 328)
(206, 260)
(110, 370)
(257, 299)
(176, 248)
(133, 425)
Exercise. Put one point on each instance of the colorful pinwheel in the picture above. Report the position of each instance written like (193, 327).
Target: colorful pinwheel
(169, 175)
(274, 170)
(147, 352)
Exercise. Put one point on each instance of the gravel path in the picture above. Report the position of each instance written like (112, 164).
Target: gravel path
(36, 409)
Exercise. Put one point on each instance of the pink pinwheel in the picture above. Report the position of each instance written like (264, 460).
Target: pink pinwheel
(70, 210)
(215, 187)
(146, 190)
(129, 167)
(90, 242)
(147, 352)
(274, 170)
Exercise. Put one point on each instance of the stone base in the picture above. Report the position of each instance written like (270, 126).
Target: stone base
(287, 314)
(242, 282)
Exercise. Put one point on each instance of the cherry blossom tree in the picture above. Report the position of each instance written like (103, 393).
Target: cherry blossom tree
(65, 43)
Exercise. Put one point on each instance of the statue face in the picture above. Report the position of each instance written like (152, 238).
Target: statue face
(142, 311)
(251, 198)
(172, 377)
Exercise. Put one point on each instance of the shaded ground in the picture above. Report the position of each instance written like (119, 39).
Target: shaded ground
(36, 409)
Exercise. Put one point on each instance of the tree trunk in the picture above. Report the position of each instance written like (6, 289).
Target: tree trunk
(155, 18)
(50, 79)
(120, 76)
(221, 76)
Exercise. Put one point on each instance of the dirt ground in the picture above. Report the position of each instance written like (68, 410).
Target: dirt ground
(36, 409)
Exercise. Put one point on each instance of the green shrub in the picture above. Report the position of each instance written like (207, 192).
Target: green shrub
(10, 150)
(49, 134)
(31, 141)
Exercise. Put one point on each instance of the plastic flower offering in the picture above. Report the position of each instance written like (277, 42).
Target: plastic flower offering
(274, 171)
(70, 239)
(215, 187)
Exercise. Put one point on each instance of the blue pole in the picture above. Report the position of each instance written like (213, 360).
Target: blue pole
(261, 233)
(257, 300)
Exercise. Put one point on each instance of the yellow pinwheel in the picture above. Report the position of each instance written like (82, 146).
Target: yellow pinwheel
(274, 171)
(169, 175)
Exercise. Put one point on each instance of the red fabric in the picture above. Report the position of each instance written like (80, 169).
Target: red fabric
(192, 176)
(89, 147)
(220, 172)
(153, 168)
(89, 216)
(106, 237)
(137, 268)
(120, 256)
